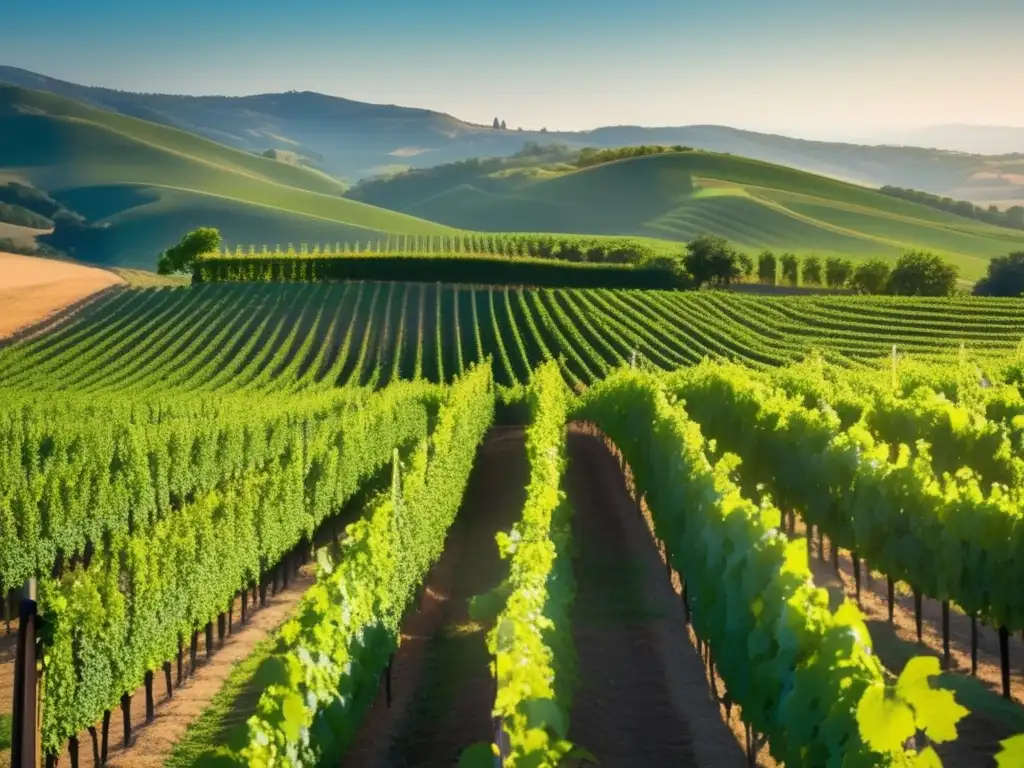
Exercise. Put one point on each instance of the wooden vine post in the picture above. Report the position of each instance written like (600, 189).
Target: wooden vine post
(25, 739)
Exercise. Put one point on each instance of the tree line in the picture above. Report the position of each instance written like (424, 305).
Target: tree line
(593, 156)
(713, 261)
(706, 262)
(1012, 217)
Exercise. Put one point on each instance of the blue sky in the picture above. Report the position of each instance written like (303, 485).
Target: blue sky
(824, 68)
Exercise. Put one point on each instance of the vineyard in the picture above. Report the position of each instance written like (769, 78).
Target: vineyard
(529, 513)
(615, 250)
(292, 338)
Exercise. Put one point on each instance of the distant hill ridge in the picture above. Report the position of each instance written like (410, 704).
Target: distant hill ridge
(141, 184)
(356, 139)
(138, 185)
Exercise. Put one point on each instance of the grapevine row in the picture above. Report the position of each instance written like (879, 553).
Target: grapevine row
(295, 337)
(796, 669)
(897, 514)
(531, 642)
(348, 625)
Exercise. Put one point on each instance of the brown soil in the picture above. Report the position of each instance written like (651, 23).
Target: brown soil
(980, 733)
(21, 235)
(441, 681)
(8, 648)
(152, 743)
(643, 697)
(33, 289)
(874, 603)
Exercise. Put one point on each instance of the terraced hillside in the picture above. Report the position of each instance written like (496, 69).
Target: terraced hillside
(293, 337)
(680, 195)
(143, 184)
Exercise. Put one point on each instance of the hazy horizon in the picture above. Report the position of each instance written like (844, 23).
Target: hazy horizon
(827, 70)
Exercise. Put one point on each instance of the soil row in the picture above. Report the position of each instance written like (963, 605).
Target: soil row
(643, 698)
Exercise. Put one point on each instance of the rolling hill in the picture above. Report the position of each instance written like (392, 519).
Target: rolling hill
(680, 195)
(142, 184)
(356, 140)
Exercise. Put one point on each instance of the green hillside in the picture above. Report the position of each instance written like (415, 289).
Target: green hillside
(680, 195)
(354, 139)
(142, 183)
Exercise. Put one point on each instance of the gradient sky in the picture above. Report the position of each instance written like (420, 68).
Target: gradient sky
(816, 68)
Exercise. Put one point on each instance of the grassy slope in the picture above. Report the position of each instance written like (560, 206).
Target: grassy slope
(754, 204)
(150, 182)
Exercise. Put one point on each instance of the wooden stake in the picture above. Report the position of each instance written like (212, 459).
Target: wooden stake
(1004, 659)
(974, 644)
(387, 681)
(95, 738)
(856, 573)
(105, 743)
(126, 712)
(150, 706)
(917, 613)
(945, 634)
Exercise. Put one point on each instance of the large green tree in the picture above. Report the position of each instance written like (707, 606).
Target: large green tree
(838, 272)
(918, 273)
(181, 257)
(712, 261)
(790, 269)
(812, 270)
(766, 267)
(870, 276)
(1005, 276)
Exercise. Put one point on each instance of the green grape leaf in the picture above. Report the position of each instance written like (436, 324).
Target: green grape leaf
(935, 711)
(485, 607)
(885, 721)
(582, 755)
(293, 712)
(545, 713)
(927, 758)
(479, 755)
(1012, 753)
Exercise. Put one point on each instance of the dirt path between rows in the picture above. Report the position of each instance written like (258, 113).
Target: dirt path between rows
(874, 601)
(152, 743)
(33, 289)
(643, 697)
(8, 647)
(442, 688)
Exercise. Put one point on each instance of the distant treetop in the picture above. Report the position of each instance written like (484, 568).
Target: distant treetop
(592, 156)
(1012, 217)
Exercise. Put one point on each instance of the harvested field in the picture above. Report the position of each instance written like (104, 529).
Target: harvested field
(32, 289)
